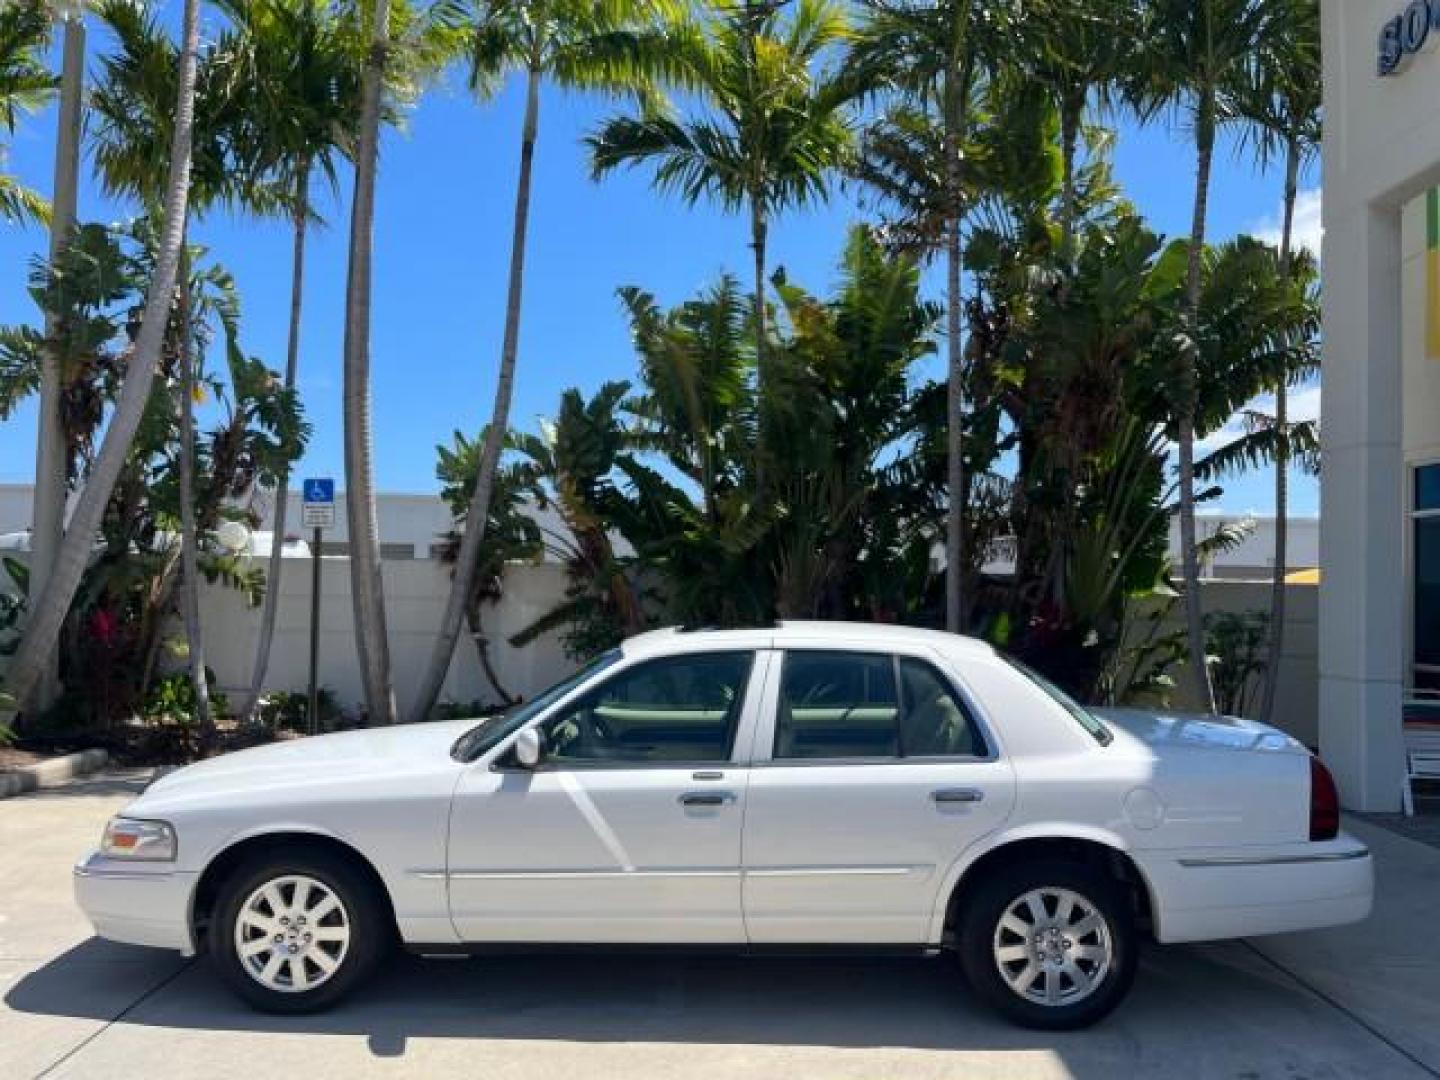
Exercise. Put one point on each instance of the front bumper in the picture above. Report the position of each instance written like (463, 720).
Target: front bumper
(1203, 895)
(136, 903)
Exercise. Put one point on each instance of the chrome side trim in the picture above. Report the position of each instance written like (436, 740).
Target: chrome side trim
(1275, 860)
(699, 872)
(568, 875)
(836, 871)
(121, 875)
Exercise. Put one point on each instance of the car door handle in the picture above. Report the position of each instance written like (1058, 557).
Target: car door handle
(707, 798)
(957, 795)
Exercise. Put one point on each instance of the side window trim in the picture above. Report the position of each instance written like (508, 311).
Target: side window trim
(750, 704)
(767, 729)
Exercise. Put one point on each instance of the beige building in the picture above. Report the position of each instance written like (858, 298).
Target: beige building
(1380, 516)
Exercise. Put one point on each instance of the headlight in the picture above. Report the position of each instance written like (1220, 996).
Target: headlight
(142, 841)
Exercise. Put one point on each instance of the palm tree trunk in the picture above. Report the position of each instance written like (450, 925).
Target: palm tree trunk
(955, 380)
(366, 585)
(759, 230)
(51, 466)
(1189, 555)
(1070, 115)
(1282, 464)
(282, 489)
(189, 539)
(52, 604)
(482, 653)
(478, 512)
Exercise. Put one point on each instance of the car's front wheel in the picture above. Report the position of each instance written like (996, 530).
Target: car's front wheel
(295, 932)
(1051, 944)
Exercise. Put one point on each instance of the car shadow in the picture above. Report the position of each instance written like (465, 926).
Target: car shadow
(903, 1003)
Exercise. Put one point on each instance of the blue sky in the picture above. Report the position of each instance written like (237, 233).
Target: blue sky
(444, 204)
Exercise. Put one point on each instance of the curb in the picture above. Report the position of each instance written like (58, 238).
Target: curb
(54, 771)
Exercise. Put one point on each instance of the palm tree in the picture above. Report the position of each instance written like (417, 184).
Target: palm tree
(938, 56)
(577, 44)
(366, 586)
(1194, 56)
(1077, 51)
(52, 604)
(134, 117)
(305, 72)
(1281, 101)
(769, 131)
(48, 519)
(25, 85)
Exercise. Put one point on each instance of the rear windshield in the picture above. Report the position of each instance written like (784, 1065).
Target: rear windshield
(493, 729)
(1083, 716)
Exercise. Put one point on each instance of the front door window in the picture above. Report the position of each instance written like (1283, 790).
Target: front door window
(677, 709)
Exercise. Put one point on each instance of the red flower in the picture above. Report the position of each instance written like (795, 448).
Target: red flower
(103, 625)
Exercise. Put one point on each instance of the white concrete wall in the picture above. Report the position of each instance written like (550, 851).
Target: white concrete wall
(415, 593)
(414, 598)
(1297, 707)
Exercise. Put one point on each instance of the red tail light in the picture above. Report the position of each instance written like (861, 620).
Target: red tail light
(1324, 802)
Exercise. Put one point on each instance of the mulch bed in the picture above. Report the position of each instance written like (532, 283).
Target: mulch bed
(145, 744)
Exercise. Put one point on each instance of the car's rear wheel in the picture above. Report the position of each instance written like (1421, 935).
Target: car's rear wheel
(296, 932)
(1051, 944)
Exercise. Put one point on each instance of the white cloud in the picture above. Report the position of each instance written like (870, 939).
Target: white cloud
(1307, 229)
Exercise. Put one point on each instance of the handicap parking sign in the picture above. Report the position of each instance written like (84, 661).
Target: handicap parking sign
(317, 509)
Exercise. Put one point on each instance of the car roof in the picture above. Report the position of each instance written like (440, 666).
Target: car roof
(810, 632)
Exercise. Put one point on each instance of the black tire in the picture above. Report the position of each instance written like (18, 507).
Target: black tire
(364, 913)
(992, 899)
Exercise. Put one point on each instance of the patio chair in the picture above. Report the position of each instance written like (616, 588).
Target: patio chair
(1422, 743)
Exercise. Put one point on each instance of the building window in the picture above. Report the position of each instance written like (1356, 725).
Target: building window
(1425, 597)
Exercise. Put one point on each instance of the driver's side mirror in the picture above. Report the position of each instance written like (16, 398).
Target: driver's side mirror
(529, 748)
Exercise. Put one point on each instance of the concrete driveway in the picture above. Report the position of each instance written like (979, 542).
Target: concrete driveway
(1354, 1002)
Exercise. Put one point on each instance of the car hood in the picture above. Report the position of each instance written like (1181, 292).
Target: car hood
(346, 755)
(1163, 730)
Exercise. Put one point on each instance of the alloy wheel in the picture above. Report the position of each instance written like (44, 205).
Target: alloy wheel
(292, 934)
(1052, 946)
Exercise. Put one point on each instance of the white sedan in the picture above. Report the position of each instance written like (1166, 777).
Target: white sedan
(808, 784)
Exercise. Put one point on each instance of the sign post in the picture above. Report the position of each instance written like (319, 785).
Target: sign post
(317, 512)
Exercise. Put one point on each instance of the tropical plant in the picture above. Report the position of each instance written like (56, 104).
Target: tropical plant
(771, 126)
(1236, 642)
(667, 469)
(114, 633)
(1281, 101)
(608, 47)
(25, 85)
(573, 462)
(52, 604)
(1193, 59)
(134, 120)
(511, 536)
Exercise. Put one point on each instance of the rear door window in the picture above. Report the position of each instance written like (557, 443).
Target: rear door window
(839, 705)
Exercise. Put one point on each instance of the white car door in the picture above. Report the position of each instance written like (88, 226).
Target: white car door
(871, 774)
(629, 828)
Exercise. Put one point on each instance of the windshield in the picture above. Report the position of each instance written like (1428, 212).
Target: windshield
(1083, 716)
(493, 729)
